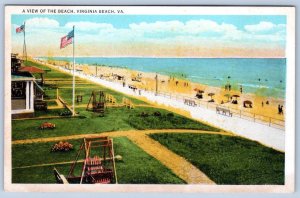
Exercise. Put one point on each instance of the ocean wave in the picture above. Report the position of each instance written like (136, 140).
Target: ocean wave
(205, 78)
(254, 85)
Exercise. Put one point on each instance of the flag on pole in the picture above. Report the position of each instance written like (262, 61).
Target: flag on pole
(20, 29)
(66, 40)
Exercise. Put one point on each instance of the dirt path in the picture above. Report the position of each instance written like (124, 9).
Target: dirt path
(116, 134)
(180, 166)
(177, 164)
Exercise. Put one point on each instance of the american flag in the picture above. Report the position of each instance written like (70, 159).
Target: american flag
(66, 40)
(20, 29)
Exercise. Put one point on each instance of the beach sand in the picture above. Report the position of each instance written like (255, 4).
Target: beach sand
(181, 87)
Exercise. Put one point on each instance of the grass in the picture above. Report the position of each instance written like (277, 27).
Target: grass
(115, 119)
(86, 92)
(65, 80)
(136, 167)
(49, 112)
(166, 120)
(51, 103)
(226, 159)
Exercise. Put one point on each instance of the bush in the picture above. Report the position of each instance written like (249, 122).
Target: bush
(143, 114)
(62, 146)
(65, 113)
(157, 113)
(170, 114)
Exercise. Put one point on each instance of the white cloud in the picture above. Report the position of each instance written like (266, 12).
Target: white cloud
(89, 26)
(177, 27)
(264, 26)
(42, 22)
(158, 26)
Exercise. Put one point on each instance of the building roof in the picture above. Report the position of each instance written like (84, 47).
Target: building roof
(25, 76)
(31, 69)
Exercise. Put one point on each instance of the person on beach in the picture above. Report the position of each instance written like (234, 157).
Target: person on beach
(262, 104)
(229, 87)
(241, 89)
(280, 109)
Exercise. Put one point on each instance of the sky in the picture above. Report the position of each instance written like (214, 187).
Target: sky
(216, 36)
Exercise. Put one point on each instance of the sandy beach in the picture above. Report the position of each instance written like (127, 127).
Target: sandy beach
(182, 87)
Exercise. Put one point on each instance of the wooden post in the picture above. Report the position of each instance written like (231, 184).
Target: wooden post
(113, 156)
(57, 93)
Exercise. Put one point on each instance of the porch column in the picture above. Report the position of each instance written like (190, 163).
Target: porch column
(27, 95)
(31, 96)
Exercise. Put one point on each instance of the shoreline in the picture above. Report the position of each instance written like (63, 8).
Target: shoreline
(254, 85)
(146, 81)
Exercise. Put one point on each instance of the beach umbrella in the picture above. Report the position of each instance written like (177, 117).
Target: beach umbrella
(236, 96)
(211, 94)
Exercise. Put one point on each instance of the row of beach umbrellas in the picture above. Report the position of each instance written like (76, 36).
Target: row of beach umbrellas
(212, 94)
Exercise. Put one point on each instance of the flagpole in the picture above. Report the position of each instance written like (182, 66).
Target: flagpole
(24, 44)
(73, 71)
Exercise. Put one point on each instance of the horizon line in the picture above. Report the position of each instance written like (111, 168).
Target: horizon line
(160, 57)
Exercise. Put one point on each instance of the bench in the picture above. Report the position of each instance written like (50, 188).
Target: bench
(223, 111)
(190, 102)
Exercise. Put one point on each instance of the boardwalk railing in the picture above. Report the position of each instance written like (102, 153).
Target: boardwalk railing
(270, 121)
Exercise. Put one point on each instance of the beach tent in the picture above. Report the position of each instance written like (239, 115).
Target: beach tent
(247, 103)
(235, 100)
(199, 94)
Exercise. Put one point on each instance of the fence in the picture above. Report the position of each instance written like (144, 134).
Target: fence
(270, 121)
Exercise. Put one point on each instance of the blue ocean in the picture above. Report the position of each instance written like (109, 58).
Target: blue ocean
(265, 77)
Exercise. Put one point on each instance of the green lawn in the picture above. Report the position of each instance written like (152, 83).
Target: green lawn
(86, 92)
(226, 159)
(65, 80)
(49, 112)
(51, 103)
(115, 119)
(136, 167)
